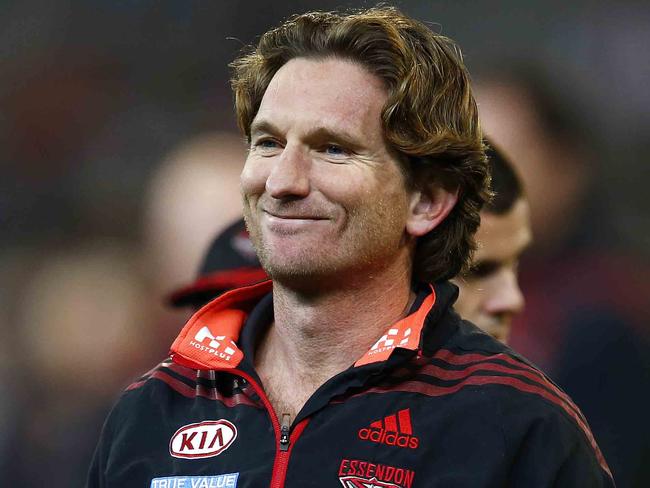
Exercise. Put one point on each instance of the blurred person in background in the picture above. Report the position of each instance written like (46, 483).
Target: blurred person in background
(79, 331)
(193, 195)
(86, 314)
(12, 266)
(586, 317)
(490, 295)
(229, 263)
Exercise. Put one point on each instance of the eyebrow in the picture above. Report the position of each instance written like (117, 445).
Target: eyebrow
(482, 267)
(325, 134)
(317, 134)
(263, 126)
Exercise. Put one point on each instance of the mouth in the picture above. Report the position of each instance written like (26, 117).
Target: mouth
(281, 223)
(293, 216)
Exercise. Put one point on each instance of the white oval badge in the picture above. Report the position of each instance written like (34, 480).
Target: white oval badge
(204, 439)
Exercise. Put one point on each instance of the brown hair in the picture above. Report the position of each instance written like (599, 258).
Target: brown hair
(505, 184)
(430, 118)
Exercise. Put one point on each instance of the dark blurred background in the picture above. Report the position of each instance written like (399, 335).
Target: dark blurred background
(120, 159)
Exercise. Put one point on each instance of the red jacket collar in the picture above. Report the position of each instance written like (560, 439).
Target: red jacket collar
(209, 339)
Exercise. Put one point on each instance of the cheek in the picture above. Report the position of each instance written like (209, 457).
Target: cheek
(364, 192)
(492, 290)
(253, 178)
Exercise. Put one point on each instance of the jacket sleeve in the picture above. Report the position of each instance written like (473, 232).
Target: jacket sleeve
(556, 452)
(98, 466)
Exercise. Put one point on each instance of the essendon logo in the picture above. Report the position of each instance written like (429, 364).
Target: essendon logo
(394, 430)
(356, 473)
(357, 482)
(202, 440)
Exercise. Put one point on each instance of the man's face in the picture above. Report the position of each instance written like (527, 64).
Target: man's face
(489, 294)
(323, 196)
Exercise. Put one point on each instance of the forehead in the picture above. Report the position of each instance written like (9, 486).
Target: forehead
(329, 92)
(504, 237)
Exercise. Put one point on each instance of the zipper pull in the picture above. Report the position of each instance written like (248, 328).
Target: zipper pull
(284, 431)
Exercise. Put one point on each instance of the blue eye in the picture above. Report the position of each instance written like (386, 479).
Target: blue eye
(334, 150)
(267, 144)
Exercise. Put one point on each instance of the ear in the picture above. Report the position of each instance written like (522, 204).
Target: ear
(428, 208)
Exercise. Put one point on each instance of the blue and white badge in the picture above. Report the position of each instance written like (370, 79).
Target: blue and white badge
(218, 481)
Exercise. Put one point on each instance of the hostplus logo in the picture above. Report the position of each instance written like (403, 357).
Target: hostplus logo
(393, 430)
(220, 346)
(390, 340)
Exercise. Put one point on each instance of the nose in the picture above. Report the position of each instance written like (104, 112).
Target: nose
(506, 298)
(289, 176)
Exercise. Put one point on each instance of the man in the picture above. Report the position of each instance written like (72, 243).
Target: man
(489, 291)
(364, 181)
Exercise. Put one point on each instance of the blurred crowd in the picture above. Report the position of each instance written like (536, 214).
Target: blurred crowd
(120, 163)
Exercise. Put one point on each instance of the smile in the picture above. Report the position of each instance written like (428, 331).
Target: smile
(281, 217)
(292, 223)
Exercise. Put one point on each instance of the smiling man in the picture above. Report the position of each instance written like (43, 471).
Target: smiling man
(490, 296)
(362, 190)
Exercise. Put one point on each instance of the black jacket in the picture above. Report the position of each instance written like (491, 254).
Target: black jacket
(434, 403)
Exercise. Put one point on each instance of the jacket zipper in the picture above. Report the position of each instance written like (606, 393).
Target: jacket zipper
(285, 439)
(285, 426)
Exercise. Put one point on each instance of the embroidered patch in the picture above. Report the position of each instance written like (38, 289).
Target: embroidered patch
(222, 347)
(203, 439)
(354, 473)
(217, 481)
(356, 482)
(404, 334)
(392, 430)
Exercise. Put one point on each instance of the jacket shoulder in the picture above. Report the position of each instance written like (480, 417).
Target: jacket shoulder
(168, 375)
(474, 359)
(172, 382)
(473, 364)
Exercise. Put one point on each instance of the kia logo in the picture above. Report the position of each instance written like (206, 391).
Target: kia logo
(202, 440)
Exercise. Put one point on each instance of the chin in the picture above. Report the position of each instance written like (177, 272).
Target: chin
(317, 273)
(286, 267)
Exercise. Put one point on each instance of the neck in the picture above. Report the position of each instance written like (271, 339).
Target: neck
(316, 336)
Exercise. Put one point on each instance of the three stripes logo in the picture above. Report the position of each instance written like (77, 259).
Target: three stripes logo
(393, 430)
